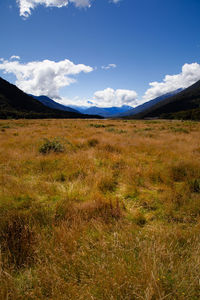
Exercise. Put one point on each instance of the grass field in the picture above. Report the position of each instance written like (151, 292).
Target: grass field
(101, 210)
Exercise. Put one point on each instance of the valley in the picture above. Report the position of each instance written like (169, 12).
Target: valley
(99, 209)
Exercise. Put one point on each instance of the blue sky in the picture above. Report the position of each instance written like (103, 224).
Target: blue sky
(105, 51)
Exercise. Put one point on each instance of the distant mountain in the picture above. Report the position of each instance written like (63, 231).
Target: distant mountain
(148, 104)
(81, 109)
(14, 103)
(184, 105)
(53, 104)
(103, 111)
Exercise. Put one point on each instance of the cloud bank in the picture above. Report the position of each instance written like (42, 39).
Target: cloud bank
(105, 98)
(26, 6)
(47, 77)
(189, 75)
(43, 77)
(110, 97)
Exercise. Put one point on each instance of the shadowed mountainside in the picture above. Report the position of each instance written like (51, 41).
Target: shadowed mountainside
(53, 104)
(184, 105)
(14, 103)
(148, 104)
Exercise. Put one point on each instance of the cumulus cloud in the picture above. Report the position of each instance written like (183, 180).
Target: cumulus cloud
(105, 98)
(110, 66)
(43, 77)
(110, 97)
(75, 101)
(26, 6)
(189, 75)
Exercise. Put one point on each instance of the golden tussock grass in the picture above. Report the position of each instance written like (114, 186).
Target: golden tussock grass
(106, 209)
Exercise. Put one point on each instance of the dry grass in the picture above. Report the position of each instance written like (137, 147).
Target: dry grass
(114, 215)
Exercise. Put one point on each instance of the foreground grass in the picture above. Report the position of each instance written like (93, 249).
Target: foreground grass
(99, 210)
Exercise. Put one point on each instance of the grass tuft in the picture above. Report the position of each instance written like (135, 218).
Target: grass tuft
(51, 146)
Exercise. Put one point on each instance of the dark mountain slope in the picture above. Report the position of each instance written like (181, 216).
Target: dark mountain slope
(148, 104)
(184, 105)
(14, 103)
(52, 104)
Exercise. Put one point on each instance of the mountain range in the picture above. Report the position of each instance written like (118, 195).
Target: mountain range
(14, 103)
(179, 104)
(182, 105)
(93, 110)
(106, 112)
(53, 104)
(149, 104)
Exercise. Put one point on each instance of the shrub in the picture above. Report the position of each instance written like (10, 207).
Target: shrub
(179, 130)
(97, 125)
(51, 146)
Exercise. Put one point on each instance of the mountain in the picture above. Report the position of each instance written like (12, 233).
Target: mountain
(93, 110)
(102, 111)
(14, 103)
(148, 104)
(184, 105)
(52, 104)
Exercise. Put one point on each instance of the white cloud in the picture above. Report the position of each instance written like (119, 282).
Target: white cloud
(26, 6)
(81, 3)
(110, 97)
(110, 66)
(189, 75)
(44, 77)
(115, 1)
(105, 98)
(75, 101)
(14, 57)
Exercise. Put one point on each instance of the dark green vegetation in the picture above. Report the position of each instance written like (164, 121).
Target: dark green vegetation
(184, 105)
(16, 104)
(54, 145)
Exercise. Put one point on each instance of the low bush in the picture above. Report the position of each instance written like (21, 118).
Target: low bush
(97, 125)
(51, 146)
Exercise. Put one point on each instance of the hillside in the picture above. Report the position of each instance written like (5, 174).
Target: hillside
(14, 103)
(148, 104)
(53, 104)
(184, 105)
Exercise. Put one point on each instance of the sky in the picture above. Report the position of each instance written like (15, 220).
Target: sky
(100, 52)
